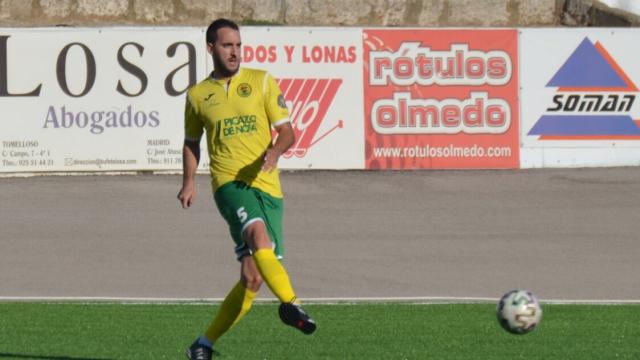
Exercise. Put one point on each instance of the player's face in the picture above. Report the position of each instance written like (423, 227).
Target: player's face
(226, 52)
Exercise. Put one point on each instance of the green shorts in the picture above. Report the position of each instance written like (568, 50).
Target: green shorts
(241, 205)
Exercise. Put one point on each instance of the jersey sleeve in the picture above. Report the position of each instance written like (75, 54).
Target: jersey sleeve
(275, 105)
(193, 128)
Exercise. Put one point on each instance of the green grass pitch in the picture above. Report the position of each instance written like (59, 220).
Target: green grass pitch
(99, 331)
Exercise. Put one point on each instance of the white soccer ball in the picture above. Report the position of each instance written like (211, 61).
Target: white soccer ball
(519, 312)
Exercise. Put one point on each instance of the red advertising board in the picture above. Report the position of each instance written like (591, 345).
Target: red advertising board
(441, 99)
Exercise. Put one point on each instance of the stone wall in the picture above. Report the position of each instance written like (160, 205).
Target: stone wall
(286, 12)
(431, 13)
(594, 13)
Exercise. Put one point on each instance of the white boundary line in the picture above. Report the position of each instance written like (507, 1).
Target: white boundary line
(328, 300)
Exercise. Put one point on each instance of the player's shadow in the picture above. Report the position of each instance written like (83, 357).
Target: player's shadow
(250, 172)
(36, 357)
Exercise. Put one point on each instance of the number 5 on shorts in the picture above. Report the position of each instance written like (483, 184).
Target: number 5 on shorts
(242, 214)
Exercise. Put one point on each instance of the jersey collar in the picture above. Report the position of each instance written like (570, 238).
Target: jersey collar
(222, 80)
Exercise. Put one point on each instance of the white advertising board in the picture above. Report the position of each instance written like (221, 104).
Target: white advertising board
(95, 99)
(112, 99)
(320, 74)
(579, 90)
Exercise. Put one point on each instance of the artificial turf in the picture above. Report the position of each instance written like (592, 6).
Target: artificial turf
(99, 331)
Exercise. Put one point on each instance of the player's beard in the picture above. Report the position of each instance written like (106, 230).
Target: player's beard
(221, 69)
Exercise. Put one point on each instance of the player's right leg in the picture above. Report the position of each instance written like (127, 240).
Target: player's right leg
(198, 351)
(238, 301)
(235, 305)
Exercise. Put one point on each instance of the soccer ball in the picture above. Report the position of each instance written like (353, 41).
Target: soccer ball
(519, 312)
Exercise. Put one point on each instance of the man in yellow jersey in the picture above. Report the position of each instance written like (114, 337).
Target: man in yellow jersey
(236, 108)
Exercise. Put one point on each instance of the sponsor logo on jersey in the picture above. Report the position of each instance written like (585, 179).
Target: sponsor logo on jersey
(239, 125)
(593, 100)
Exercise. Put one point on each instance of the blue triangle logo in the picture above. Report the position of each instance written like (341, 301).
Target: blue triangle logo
(587, 68)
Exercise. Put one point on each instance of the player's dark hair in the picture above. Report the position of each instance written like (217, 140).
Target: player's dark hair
(212, 30)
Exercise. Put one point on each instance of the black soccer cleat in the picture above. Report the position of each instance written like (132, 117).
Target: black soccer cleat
(293, 315)
(198, 351)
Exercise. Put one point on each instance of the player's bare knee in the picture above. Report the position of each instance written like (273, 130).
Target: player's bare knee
(250, 275)
(255, 235)
(252, 281)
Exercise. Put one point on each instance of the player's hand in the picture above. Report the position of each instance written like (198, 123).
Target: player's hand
(187, 195)
(270, 160)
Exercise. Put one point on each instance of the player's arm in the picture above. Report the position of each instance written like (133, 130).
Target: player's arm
(190, 160)
(278, 115)
(286, 138)
(190, 154)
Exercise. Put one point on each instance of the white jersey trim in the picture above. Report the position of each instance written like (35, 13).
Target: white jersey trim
(281, 121)
(264, 83)
(244, 227)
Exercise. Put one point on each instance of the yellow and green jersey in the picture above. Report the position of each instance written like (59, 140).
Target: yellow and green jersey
(237, 117)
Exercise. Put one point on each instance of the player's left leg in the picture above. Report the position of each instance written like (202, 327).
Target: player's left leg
(276, 277)
(272, 271)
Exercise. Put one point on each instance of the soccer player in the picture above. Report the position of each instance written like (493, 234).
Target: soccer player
(237, 107)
